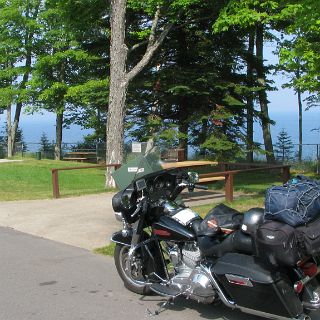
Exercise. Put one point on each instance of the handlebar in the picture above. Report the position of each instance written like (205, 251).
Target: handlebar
(198, 186)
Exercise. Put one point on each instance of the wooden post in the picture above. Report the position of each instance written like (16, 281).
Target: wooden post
(229, 187)
(55, 184)
(285, 174)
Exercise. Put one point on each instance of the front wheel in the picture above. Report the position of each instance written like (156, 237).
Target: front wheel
(133, 279)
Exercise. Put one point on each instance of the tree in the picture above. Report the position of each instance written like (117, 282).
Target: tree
(259, 15)
(18, 45)
(180, 102)
(63, 64)
(46, 147)
(295, 69)
(120, 75)
(284, 146)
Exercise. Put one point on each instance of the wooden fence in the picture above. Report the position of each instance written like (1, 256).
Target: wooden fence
(55, 175)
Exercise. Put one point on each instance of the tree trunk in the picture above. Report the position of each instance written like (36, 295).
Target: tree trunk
(120, 79)
(118, 88)
(183, 141)
(9, 133)
(263, 99)
(203, 137)
(250, 98)
(57, 147)
(28, 62)
(300, 125)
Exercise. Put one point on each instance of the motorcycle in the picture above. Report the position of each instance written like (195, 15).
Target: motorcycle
(165, 248)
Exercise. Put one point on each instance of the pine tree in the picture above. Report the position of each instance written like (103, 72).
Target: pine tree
(46, 147)
(284, 146)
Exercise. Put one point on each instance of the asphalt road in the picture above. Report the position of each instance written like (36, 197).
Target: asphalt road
(45, 280)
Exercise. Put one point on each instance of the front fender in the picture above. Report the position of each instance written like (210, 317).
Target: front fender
(118, 237)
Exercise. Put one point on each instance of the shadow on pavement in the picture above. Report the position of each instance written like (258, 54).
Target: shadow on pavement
(209, 311)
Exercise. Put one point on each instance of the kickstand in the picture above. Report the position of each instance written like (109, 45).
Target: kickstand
(162, 307)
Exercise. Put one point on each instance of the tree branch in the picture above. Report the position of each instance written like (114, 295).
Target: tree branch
(153, 45)
(155, 21)
(148, 54)
(138, 45)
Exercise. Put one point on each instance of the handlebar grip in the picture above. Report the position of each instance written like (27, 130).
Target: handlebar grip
(198, 186)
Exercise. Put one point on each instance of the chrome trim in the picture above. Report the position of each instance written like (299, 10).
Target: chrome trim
(222, 296)
(119, 242)
(238, 280)
(313, 304)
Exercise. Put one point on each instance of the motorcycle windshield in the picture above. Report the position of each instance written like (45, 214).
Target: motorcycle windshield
(137, 166)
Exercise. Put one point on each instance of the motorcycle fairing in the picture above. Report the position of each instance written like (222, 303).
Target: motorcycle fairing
(270, 291)
(169, 229)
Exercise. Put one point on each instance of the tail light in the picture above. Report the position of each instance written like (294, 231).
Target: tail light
(309, 269)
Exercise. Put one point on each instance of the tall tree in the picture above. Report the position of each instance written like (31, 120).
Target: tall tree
(19, 32)
(250, 96)
(197, 71)
(262, 94)
(260, 15)
(293, 67)
(61, 65)
(156, 29)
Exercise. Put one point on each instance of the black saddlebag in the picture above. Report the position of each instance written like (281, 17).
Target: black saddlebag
(309, 238)
(220, 219)
(277, 243)
(257, 286)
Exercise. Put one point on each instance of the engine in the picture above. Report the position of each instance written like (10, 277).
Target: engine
(188, 276)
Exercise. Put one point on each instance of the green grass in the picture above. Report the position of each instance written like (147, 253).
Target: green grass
(31, 179)
(108, 250)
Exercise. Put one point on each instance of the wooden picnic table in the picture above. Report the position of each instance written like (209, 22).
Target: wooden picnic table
(200, 163)
(81, 156)
(187, 164)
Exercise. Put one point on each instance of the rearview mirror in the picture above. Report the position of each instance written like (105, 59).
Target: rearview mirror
(193, 177)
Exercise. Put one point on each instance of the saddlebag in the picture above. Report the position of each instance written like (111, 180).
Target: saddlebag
(277, 243)
(295, 203)
(257, 286)
(309, 238)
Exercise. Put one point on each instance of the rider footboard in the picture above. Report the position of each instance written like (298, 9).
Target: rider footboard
(252, 285)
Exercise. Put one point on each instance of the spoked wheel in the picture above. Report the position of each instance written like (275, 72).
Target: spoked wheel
(133, 279)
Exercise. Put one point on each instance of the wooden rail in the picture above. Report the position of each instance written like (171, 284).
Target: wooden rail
(229, 175)
(55, 175)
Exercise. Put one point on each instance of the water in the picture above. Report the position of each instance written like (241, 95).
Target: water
(34, 125)
(289, 122)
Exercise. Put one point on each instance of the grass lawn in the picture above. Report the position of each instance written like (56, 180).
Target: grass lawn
(31, 179)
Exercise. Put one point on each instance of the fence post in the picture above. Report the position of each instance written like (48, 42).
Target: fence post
(229, 187)
(55, 184)
(285, 174)
(317, 159)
